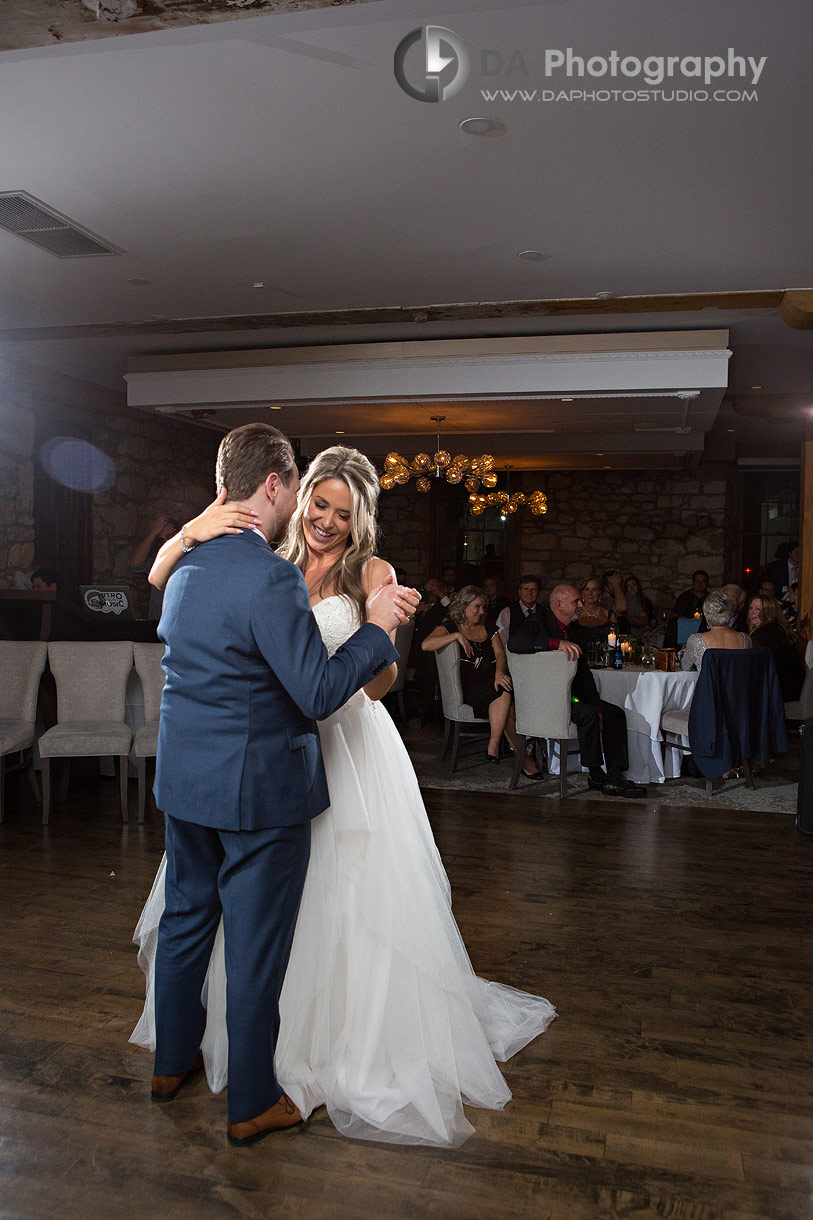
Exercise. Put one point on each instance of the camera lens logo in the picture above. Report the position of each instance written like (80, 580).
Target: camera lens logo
(438, 41)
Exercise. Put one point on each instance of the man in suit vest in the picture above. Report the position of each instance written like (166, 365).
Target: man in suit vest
(511, 617)
(239, 775)
(601, 726)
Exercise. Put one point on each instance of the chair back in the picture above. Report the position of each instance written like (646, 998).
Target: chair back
(805, 708)
(403, 643)
(91, 679)
(737, 710)
(685, 628)
(21, 666)
(447, 660)
(148, 659)
(542, 683)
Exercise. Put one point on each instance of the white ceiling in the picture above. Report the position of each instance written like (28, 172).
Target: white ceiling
(280, 149)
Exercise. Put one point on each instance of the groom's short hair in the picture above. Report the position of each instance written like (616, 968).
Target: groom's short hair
(248, 455)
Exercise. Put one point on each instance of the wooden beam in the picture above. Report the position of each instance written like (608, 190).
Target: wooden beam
(691, 302)
(796, 309)
(806, 528)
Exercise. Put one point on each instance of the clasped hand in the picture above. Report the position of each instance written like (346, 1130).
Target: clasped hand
(391, 604)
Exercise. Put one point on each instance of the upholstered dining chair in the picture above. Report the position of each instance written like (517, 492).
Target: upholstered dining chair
(403, 643)
(21, 666)
(147, 659)
(91, 681)
(737, 714)
(457, 714)
(542, 682)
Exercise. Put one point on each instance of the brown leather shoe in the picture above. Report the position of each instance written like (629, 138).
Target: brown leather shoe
(281, 1116)
(164, 1088)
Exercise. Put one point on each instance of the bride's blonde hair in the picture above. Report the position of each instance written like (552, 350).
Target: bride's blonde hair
(358, 474)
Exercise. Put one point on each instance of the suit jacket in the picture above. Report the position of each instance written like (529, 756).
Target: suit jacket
(247, 675)
(737, 710)
(535, 634)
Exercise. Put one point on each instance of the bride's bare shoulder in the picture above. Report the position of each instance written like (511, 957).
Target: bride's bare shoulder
(376, 571)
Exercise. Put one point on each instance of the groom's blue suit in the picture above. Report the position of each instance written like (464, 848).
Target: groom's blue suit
(239, 776)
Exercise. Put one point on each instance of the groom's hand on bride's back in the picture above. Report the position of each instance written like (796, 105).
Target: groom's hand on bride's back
(391, 604)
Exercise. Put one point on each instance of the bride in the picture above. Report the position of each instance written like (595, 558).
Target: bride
(383, 1020)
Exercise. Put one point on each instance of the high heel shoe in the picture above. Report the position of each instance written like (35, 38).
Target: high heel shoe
(493, 758)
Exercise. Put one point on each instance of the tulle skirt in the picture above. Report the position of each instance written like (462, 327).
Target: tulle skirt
(383, 1019)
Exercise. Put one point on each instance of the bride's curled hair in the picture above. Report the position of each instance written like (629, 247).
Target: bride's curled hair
(358, 474)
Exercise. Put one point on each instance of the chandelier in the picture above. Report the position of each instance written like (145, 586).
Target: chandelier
(477, 473)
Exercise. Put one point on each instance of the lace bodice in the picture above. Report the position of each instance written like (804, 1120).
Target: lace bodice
(337, 618)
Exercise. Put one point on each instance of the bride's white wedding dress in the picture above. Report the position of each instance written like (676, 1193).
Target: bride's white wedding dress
(382, 1017)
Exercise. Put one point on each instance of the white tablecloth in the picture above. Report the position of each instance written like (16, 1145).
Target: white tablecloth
(645, 694)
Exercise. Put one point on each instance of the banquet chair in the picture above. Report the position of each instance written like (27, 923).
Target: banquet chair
(736, 714)
(403, 643)
(457, 714)
(148, 666)
(21, 666)
(91, 680)
(802, 708)
(542, 683)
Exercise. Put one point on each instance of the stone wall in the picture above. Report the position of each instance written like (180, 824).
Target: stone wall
(405, 531)
(16, 482)
(163, 467)
(659, 525)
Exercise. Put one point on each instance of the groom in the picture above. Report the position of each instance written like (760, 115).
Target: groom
(239, 775)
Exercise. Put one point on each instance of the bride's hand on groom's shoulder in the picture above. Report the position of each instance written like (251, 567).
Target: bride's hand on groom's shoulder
(391, 604)
(221, 518)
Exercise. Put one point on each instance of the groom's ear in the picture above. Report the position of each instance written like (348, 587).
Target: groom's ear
(271, 486)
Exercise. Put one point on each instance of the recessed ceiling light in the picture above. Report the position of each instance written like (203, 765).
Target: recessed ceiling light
(567, 400)
(340, 431)
(729, 429)
(273, 408)
(533, 256)
(605, 296)
(483, 127)
(756, 387)
(258, 284)
(599, 455)
(134, 281)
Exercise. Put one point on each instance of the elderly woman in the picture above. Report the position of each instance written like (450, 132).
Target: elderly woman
(484, 673)
(718, 609)
(770, 629)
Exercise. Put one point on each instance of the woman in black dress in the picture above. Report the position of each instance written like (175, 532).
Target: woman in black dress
(483, 668)
(769, 628)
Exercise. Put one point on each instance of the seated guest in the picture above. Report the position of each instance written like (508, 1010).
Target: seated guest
(739, 617)
(595, 621)
(449, 580)
(767, 589)
(613, 596)
(601, 726)
(47, 578)
(640, 611)
(431, 609)
(688, 605)
(718, 608)
(770, 629)
(429, 614)
(691, 601)
(515, 613)
(497, 601)
(484, 673)
(790, 607)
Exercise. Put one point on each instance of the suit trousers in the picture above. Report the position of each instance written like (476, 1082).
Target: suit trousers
(254, 878)
(602, 730)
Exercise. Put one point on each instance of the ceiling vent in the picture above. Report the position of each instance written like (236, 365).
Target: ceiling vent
(26, 217)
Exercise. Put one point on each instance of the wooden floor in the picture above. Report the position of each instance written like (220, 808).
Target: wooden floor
(676, 1081)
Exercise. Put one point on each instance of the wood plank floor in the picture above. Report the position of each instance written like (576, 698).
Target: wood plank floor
(676, 1082)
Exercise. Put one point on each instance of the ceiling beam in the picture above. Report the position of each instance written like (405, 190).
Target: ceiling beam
(796, 309)
(691, 302)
